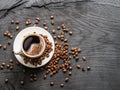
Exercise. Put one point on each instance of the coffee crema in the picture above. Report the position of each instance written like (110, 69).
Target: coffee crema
(31, 45)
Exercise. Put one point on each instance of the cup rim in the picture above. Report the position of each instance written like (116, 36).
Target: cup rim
(43, 48)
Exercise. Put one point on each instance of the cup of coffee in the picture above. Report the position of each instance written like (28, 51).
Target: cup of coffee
(33, 45)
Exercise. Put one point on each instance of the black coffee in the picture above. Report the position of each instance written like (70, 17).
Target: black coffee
(29, 41)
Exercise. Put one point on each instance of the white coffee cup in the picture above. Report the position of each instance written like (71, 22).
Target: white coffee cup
(36, 50)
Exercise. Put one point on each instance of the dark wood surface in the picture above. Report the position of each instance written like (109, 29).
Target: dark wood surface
(96, 27)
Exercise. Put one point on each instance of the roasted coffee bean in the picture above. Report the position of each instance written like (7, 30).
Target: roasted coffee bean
(3, 64)
(17, 22)
(9, 42)
(8, 66)
(17, 27)
(70, 32)
(64, 70)
(11, 61)
(51, 17)
(31, 79)
(76, 58)
(46, 28)
(70, 73)
(1, 67)
(0, 45)
(66, 79)
(52, 22)
(78, 66)
(44, 24)
(53, 31)
(45, 76)
(51, 83)
(62, 85)
(58, 27)
(34, 78)
(6, 80)
(70, 68)
(4, 47)
(38, 19)
(54, 37)
(12, 21)
(83, 69)
(11, 67)
(22, 82)
(84, 58)
(11, 36)
(88, 68)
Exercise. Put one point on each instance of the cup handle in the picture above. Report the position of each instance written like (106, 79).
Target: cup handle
(18, 53)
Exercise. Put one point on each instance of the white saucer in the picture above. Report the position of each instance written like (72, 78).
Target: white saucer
(18, 43)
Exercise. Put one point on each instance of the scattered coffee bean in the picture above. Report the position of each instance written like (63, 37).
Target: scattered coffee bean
(70, 73)
(58, 27)
(66, 79)
(84, 58)
(17, 27)
(53, 31)
(1, 67)
(88, 68)
(52, 22)
(51, 17)
(3, 64)
(45, 76)
(0, 45)
(46, 28)
(64, 70)
(11, 60)
(4, 47)
(8, 66)
(35, 79)
(54, 37)
(76, 58)
(22, 82)
(38, 19)
(44, 24)
(12, 21)
(70, 68)
(51, 83)
(83, 69)
(11, 67)
(70, 32)
(17, 22)
(9, 42)
(11, 36)
(6, 80)
(78, 66)
(62, 85)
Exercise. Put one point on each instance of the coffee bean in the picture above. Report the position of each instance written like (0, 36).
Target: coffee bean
(11, 36)
(62, 85)
(0, 45)
(70, 73)
(31, 79)
(52, 22)
(78, 66)
(3, 64)
(11, 61)
(70, 32)
(22, 82)
(46, 28)
(76, 58)
(45, 76)
(44, 24)
(64, 70)
(17, 22)
(54, 37)
(58, 27)
(12, 21)
(11, 67)
(88, 68)
(9, 42)
(17, 27)
(51, 83)
(66, 79)
(84, 58)
(79, 50)
(38, 19)
(6, 80)
(8, 66)
(83, 69)
(34, 78)
(4, 47)
(1, 67)
(70, 68)
(51, 17)
(53, 31)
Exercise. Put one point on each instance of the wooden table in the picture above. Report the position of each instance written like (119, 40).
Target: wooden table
(96, 28)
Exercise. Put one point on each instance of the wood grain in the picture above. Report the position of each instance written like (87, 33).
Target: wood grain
(96, 30)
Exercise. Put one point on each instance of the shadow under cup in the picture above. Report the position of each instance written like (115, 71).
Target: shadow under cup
(33, 45)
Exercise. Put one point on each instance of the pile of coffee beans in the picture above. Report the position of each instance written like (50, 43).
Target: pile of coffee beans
(62, 57)
(37, 61)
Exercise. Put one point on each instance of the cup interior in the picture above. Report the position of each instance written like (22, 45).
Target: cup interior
(33, 45)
